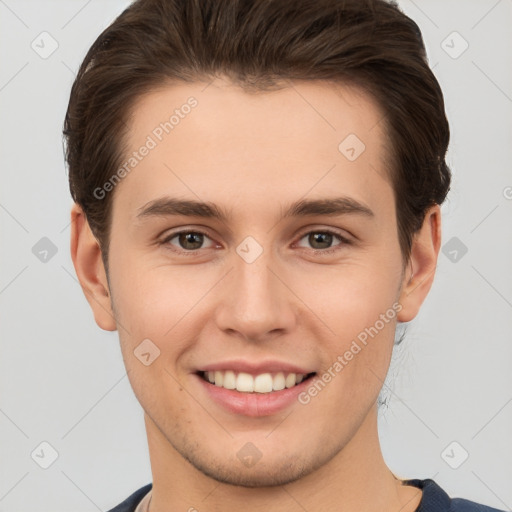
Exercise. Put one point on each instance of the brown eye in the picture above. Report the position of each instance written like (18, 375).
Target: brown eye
(187, 240)
(321, 241)
(190, 240)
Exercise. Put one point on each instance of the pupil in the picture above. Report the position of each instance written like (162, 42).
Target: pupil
(189, 237)
(324, 238)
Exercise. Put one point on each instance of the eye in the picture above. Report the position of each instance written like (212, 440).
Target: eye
(188, 241)
(321, 241)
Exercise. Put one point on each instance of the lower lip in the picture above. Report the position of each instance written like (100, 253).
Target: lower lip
(254, 404)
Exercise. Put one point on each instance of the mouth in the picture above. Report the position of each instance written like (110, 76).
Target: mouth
(262, 383)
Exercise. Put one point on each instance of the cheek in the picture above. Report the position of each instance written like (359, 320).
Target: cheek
(358, 305)
(149, 308)
(148, 300)
(355, 359)
(160, 304)
(350, 297)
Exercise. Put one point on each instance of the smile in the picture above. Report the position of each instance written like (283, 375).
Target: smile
(247, 383)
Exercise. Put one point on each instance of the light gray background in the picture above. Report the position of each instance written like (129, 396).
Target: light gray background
(63, 379)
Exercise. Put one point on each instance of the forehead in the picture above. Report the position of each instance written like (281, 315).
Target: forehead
(218, 142)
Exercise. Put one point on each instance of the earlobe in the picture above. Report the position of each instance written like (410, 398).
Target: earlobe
(423, 262)
(89, 268)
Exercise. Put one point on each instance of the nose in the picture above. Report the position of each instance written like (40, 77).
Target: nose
(257, 303)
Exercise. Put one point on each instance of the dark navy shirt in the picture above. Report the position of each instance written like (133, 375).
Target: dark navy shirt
(434, 499)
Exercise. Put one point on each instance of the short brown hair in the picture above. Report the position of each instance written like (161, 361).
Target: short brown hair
(258, 44)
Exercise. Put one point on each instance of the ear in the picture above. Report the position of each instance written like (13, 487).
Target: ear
(423, 262)
(89, 268)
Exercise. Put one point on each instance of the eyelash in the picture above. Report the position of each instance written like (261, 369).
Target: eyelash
(344, 241)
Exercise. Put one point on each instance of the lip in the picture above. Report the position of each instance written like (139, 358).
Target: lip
(253, 404)
(255, 368)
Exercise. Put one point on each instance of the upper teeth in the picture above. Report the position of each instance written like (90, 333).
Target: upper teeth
(245, 382)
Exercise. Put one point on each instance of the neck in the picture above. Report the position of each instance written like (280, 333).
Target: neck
(356, 479)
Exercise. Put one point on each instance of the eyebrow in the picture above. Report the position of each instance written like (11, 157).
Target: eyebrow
(166, 206)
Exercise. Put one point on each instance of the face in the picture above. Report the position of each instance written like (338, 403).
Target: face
(301, 261)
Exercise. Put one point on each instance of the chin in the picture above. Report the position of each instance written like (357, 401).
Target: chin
(260, 475)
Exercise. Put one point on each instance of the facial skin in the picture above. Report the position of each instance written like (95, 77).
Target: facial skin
(253, 155)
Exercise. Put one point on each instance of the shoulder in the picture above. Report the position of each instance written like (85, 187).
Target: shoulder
(130, 503)
(435, 499)
(461, 505)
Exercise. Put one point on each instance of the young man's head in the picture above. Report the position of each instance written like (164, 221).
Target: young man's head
(257, 189)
